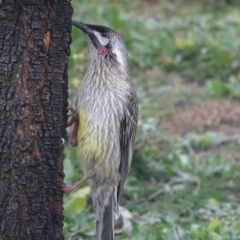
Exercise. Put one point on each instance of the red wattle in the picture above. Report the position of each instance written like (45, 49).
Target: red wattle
(102, 50)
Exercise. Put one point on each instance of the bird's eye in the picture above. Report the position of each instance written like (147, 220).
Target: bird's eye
(104, 34)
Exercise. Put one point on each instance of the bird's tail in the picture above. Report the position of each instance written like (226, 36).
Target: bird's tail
(105, 224)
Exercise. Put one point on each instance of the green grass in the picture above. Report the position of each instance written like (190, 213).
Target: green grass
(172, 192)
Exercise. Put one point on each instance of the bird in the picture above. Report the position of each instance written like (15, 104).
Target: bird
(104, 122)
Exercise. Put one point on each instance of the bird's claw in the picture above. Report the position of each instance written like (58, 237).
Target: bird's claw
(73, 114)
(65, 189)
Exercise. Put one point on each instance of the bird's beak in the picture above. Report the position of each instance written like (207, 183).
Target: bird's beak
(87, 30)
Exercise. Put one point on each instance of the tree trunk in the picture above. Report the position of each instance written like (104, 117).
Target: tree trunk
(34, 50)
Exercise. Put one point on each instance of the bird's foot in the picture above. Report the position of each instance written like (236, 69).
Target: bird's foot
(74, 115)
(68, 189)
(75, 122)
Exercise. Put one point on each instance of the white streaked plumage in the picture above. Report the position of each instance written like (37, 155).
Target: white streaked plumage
(108, 109)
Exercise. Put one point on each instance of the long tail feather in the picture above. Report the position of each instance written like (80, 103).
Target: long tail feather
(105, 225)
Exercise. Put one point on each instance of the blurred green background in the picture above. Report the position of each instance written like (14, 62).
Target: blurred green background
(185, 174)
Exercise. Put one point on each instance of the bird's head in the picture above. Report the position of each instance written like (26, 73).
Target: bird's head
(104, 42)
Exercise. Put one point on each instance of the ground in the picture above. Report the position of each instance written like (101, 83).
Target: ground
(217, 115)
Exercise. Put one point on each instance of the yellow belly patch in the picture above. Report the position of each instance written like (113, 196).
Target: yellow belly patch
(89, 148)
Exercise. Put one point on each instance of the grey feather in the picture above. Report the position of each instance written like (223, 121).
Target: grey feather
(128, 128)
(105, 225)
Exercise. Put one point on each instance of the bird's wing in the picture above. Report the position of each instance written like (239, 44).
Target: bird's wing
(128, 128)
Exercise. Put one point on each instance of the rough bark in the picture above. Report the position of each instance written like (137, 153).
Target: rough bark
(34, 50)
